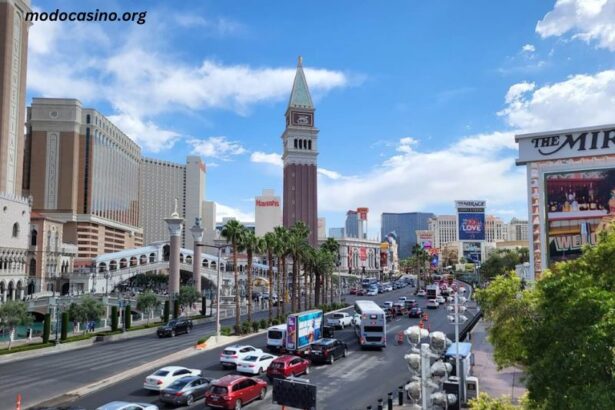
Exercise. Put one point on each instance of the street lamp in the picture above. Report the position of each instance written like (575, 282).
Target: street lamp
(456, 319)
(219, 248)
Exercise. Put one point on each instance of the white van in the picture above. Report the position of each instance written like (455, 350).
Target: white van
(276, 335)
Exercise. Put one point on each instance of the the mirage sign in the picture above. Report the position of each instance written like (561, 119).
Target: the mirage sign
(573, 143)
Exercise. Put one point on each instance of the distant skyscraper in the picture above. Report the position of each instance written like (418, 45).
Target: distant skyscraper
(337, 233)
(209, 221)
(84, 171)
(268, 212)
(162, 182)
(405, 226)
(352, 224)
(517, 230)
(300, 153)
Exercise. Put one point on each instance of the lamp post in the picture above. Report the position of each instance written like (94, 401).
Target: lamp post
(456, 319)
(219, 248)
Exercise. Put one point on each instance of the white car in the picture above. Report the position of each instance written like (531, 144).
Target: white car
(432, 304)
(402, 299)
(162, 378)
(232, 355)
(124, 405)
(255, 363)
(339, 319)
(440, 300)
(421, 292)
(387, 305)
(372, 292)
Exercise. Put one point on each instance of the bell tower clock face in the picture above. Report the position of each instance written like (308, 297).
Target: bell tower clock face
(302, 119)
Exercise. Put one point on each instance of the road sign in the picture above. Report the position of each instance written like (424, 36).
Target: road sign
(294, 393)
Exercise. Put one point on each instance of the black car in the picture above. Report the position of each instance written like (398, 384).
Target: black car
(327, 350)
(410, 303)
(415, 312)
(185, 390)
(175, 327)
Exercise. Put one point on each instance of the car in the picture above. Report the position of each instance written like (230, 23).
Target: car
(387, 305)
(421, 292)
(327, 350)
(402, 299)
(353, 291)
(356, 319)
(388, 288)
(432, 304)
(232, 355)
(339, 319)
(372, 292)
(415, 312)
(287, 366)
(257, 363)
(440, 300)
(233, 391)
(410, 303)
(174, 327)
(124, 405)
(164, 377)
(399, 308)
(388, 314)
(185, 391)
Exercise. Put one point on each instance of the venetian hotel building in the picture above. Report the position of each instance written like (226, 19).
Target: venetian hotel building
(82, 170)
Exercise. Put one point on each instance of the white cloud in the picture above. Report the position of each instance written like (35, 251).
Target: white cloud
(264, 158)
(224, 211)
(405, 144)
(578, 101)
(219, 26)
(329, 174)
(216, 147)
(587, 20)
(145, 133)
(528, 48)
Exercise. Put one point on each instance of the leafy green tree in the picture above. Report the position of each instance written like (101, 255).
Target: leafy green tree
(282, 251)
(14, 313)
(297, 241)
(127, 317)
(147, 302)
(561, 331)
(269, 245)
(329, 262)
(486, 402)
(233, 231)
(502, 261)
(87, 309)
(188, 296)
(64, 328)
(252, 244)
(114, 318)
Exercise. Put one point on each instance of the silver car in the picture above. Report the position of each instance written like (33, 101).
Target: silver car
(185, 390)
(124, 405)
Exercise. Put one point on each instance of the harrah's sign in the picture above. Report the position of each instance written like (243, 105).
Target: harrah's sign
(267, 203)
(566, 144)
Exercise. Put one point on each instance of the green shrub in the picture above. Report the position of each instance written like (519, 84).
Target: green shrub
(165, 314)
(226, 331)
(176, 309)
(127, 317)
(202, 340)
(263, 324)
(25, 348)
(275, 321)
(64, 329)
(237, 330)
(255, 326)
(46, 328)
(114, 318)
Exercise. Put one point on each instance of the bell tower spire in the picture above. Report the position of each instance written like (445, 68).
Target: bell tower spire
(300, 143)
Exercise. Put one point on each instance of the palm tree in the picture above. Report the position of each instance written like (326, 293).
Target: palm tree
(309, 261)
(233, 231)
(332, 246)
(282, 250)
(270, 241)
(420, 256)
(252, 245)
(298, 238)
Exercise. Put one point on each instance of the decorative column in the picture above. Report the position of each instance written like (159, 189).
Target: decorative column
(197, 234)
(174, 224)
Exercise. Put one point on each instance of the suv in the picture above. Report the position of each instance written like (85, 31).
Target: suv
(327, 350)
(174, 327)
(287, 366)
(231, 355)
(233, 391)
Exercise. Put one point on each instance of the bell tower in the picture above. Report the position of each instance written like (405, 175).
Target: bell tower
(300, 141)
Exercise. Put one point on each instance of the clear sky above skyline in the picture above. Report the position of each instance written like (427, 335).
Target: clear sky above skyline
(417, 102)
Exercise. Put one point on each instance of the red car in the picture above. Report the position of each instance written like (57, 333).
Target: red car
(233, 391)
(287, 366)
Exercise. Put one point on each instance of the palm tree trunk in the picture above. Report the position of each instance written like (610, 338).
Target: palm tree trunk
(331, 286)
(293, 292)
(280, 295)
(298, 286)
(284, 286)
(308, 293)
(324, 290)
(317, 289)
(270, 277)
(236, 274)
(249, 286)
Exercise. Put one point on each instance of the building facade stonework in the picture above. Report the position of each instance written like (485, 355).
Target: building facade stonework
(300, 152)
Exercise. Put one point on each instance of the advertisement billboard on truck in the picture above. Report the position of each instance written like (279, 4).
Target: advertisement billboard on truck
(303, 328)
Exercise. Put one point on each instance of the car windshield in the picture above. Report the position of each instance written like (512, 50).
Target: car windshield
(338, 315)
(172, 323)
(275, 334)
(161, 373)
(229, 352)
(218, 389)
(251, 358)
(179, 384)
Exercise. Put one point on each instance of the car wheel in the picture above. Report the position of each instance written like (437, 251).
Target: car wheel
(345, 352)
(188, 330)
(189, 400)
(331, 359)
(307, 370)
(263, 394)
(261, 371)
(238, 405)
(172, 333)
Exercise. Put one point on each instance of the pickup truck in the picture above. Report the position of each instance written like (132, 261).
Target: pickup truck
(339, 319)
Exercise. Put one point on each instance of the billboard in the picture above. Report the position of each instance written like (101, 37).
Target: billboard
(579, 205)
(363, 253)
(362, 212)
(303, 329)
(471, 226)
(425, 239)
(472, 251)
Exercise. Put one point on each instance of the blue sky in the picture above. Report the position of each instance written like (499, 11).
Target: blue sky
(417, 102)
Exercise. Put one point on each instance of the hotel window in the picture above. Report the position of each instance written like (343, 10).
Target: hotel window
(87, 119)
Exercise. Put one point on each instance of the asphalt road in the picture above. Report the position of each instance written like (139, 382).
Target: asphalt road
(351, 383)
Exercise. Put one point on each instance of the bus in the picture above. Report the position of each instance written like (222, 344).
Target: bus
(370, 324)
(369, 282)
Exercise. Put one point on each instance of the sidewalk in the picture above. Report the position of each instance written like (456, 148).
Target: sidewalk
(505, 382)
